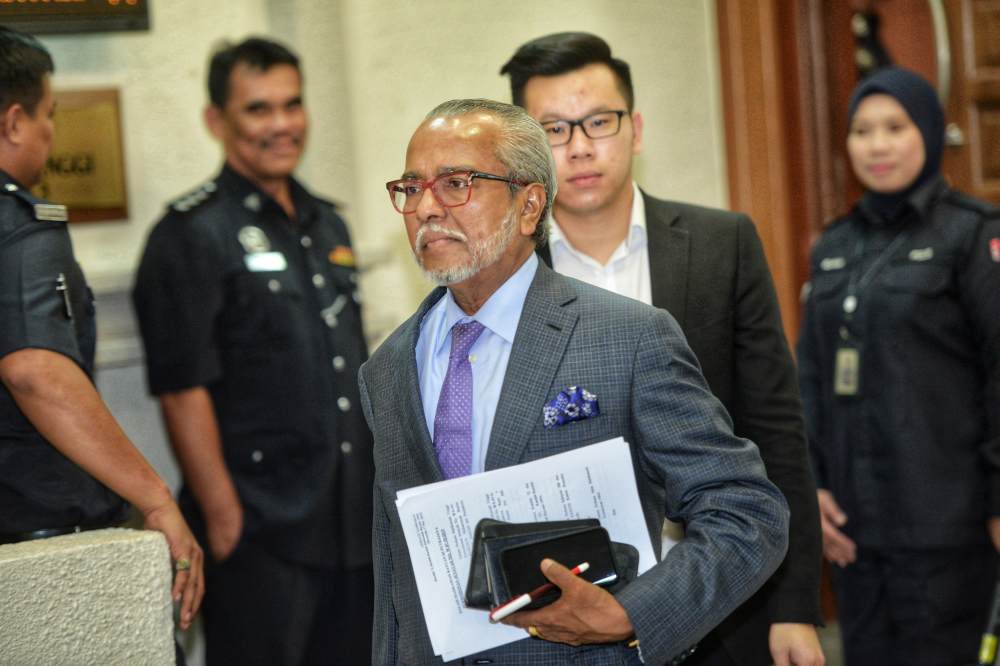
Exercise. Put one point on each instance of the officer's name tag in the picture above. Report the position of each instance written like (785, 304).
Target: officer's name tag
(265, 261)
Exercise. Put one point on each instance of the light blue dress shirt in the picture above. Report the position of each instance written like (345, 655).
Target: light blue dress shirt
(488, 356)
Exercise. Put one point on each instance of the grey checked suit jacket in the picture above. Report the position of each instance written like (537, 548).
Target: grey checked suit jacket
(689, 466)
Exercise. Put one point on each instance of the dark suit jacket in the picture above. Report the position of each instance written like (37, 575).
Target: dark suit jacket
(688, 465)
(708, 270)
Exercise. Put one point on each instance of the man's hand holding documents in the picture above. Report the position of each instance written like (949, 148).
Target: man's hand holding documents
(438, 521)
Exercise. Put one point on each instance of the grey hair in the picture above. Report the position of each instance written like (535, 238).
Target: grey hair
(522, 148)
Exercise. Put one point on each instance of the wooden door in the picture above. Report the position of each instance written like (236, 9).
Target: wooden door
(973, 161)
(955, 44)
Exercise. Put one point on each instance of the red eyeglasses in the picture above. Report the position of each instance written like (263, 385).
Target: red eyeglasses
(449, 189)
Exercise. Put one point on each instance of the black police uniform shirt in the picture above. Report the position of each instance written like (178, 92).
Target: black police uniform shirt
(44, 304)
(912, 451)
(233, 295)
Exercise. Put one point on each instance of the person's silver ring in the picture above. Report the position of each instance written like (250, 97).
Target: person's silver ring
(183, 564)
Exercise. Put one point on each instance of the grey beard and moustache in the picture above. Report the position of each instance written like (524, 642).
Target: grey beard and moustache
(483, 254)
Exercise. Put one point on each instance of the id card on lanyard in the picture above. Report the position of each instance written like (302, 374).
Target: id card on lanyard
(848, 358)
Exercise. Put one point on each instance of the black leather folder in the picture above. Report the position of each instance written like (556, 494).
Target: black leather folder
(496, 542)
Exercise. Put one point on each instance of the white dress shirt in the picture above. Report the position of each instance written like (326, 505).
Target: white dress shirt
(627, 271)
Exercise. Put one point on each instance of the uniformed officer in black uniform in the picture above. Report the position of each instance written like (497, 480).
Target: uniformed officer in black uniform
(900, 374)
(65, 464)
(247, 302)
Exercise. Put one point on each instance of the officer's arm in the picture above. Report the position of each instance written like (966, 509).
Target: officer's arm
(62, 403)
(194, 434)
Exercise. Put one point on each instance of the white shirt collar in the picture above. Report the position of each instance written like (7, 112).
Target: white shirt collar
(501, 312)
(634, 239)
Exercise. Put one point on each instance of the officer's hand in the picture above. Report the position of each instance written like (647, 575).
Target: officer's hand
(186, 556)
(224, 525)
(585, 613)
(794, 644)
(837, 546)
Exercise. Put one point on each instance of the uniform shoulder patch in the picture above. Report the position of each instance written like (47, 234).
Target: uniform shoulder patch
(194, 198)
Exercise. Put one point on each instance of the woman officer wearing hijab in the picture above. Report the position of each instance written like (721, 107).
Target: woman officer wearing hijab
(899, 359)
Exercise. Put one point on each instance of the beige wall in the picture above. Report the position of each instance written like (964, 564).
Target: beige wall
(373, 69)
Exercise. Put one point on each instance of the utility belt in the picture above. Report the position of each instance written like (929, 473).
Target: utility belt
(18, 537)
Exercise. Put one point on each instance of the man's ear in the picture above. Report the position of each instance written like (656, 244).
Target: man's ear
(214, 121)
(636, 132)
(533, 201)
(11, 123)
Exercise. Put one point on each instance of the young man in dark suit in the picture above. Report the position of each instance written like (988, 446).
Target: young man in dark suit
(708, 269)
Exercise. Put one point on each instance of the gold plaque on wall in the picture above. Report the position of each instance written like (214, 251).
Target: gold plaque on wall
(86, 169)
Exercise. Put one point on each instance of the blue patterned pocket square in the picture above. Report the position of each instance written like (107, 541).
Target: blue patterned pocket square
(573, 404)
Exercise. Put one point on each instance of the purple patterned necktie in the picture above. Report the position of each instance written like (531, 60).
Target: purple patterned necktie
(453, 421)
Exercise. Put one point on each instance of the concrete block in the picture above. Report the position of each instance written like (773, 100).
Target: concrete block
(100, 597)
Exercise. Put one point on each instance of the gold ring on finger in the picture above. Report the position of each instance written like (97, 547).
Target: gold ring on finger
(533, 631)
(183, 564)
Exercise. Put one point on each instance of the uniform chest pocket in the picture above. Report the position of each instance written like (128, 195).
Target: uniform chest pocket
(343, 278)
(916, 278)
(261, 289)
(827, 284)
(261, 309)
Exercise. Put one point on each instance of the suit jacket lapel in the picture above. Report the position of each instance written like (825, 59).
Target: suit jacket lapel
(669, 257)
(542, 335)
(425, 457)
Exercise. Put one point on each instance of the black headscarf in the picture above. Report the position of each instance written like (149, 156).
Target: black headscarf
(920, 101)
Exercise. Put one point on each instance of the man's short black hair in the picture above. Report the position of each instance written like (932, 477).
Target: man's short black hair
(24, 62)
(256, 52)
(563, 52)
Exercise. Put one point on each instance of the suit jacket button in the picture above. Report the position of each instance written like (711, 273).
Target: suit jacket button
(257, 456)
(345, 447)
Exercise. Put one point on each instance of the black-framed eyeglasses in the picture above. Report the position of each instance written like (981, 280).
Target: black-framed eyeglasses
(449, 189)
(596, 126)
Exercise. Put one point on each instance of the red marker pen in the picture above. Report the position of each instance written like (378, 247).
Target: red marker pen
(517, 603)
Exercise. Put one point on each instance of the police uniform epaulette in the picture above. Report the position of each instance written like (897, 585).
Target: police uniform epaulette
(194, 198)
(44, 211)
(963, 200)
(328, 202)
(836, 222)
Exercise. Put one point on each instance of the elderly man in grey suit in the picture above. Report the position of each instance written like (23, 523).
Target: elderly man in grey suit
(461, 386)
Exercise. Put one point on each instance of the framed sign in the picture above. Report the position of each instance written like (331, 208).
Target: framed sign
(86, 169)
(74, 16)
